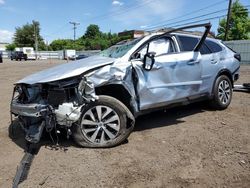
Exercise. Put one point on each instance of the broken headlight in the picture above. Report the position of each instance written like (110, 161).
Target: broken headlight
(18, 91)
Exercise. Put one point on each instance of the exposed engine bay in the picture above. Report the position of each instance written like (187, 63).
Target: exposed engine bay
(44, 106)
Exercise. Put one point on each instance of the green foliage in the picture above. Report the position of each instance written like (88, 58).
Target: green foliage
(10, 47)
(64, 44)
(239, 26)
(92, 31)
(102, 41)
(25, 36)
(93, 39)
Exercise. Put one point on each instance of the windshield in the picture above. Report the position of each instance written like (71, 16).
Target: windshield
(119, 49)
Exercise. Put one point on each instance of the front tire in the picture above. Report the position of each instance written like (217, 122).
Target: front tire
(222, 92)
(103, 123)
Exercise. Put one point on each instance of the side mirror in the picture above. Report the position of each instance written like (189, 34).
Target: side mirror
(148, 61)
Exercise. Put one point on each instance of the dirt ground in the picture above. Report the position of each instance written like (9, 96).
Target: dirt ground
(190, 146)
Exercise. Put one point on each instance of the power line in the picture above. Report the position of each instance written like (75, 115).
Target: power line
(193, 18)
(57, 31)
(155, 26)
(113, 13)
(207, 19)
(122, 11)
(189, 13)
(200, 16)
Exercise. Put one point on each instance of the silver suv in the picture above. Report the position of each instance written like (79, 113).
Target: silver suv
(96, 99)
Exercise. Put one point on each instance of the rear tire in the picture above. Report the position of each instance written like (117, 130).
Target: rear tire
(222, 92)
(103, 123)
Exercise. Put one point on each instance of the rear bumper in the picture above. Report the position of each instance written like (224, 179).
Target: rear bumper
(236, 74)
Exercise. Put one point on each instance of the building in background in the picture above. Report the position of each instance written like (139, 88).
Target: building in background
(132, 33)
(3, 46)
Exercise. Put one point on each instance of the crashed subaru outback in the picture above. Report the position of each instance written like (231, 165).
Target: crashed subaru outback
(96, 99)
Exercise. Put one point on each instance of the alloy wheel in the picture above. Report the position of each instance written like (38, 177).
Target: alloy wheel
(100, 124)
(224, 92)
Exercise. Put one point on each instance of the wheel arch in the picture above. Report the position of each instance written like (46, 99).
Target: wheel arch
(117, 91)
(225, 72)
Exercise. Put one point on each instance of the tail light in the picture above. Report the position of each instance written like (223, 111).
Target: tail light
(237, 56)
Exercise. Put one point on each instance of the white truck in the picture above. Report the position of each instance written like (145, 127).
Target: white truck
(69, 54)
(26, 53)
(30, 52)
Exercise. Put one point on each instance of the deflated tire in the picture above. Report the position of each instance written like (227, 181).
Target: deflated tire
(104, 123)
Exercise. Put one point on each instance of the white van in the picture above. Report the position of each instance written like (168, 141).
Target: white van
(29, 51)
(69, 54)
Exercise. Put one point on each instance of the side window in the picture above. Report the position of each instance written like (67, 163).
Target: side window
(159, 46)
(187, 43)
(205, 50)
(214, 47)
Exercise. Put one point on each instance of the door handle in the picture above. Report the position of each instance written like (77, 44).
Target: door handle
(214, 61)
(192, 62)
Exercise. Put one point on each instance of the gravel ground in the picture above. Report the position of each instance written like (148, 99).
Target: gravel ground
(190, 146)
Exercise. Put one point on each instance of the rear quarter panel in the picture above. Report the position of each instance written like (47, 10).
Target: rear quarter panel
(222, 61)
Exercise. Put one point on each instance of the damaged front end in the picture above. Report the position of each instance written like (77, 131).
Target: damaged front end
(43, 106)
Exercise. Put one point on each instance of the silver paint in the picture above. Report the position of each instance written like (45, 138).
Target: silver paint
(67, 70)
(174, 77)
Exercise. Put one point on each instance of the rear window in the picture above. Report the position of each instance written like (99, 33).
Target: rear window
(204, 49)
(189, 43)
(229, 47)
(214, 47)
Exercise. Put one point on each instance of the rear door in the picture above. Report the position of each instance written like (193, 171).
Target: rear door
(188, 43)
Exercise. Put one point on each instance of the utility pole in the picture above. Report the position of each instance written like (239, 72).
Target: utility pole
(74, 27)
(36, 41)
(228, 19)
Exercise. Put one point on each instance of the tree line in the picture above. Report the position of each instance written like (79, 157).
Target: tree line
(94, 39)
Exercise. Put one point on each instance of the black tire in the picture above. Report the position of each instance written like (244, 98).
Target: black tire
(119, 110)
(222, 93)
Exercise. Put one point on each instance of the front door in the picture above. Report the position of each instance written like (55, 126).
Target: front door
(174, 76)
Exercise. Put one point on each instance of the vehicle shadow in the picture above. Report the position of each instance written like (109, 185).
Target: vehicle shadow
(17, 135)
(162, 118)
(51, 141)
(168, 117)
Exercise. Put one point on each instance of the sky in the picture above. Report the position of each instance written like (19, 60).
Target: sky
(110, 15)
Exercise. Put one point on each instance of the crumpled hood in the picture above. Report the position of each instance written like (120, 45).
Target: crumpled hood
(67, 70)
